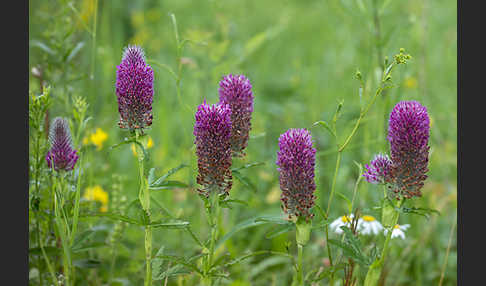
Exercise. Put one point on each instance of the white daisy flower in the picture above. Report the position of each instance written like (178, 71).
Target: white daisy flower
(398, 231)
(369, 225)
(340, 221)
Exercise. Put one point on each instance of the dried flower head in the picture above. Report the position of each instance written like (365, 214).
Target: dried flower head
(235, 90)
(134, 90)
(212, 132)
(61, 156)
(378, 171)
(408, 134)
(296, 161)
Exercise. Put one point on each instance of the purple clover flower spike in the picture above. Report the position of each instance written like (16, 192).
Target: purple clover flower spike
(296, 161)
(408, 134)
(61, 156)
(212, 132)
(378, 171)
(235, 90)
(134, 90)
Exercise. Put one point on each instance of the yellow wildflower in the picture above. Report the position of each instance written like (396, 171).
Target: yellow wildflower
(96, 193)
(411, 82)
(98, 138)
(150, 142)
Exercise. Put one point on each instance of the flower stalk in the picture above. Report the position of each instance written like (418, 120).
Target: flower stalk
(390, 210)
(212, 214)
(144, 197)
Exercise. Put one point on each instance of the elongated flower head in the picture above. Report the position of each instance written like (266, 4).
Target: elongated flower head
(408, 134)
(235, 90)
(134, 90)
(212, 132)
(61, 156)
(296, 161)
(378, 171)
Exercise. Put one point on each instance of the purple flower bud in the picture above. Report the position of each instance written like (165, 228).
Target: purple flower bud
(61, 156)
(296, 161)
(235, 90)
(408, 133)
(378, 171)
(134, 90)
(213, 148)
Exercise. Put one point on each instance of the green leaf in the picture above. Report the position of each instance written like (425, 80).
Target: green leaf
(254, 43)
(168, 185)
(173, 271)
(87, 263)
(151, 176)
(74, 51)
(181, 261)
(157, 263)
(277, 219)
(170, 224)
(348, 202)
(125, 141)
(162, 208)
(337, 114)
(327, 272)
(279, 230)
(351, 247)
(88, 246)
(227, 203)
(249, 165)
(426, 212)
(167, 175)
(244, 180)
(50, 250)
(262, 266)
(325, 125)
(251, 222)
(113, 216)
(249, 255)
(80, 238)
(42, 46)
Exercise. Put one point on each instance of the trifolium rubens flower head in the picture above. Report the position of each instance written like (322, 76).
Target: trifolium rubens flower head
(134, 90)
(296, 162)
(62, 156)
(212, 132)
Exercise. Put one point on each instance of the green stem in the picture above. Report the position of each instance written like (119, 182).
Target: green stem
(144, 197)
(93, 47)
(333, 187)
(374, 272)
(148, 255)
(212, 212)
(49, 266)
(76, 203)
(63, 230)
(300, 258)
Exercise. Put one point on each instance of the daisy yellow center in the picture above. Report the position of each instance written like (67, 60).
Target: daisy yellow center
(368, 218)
(396, 226)
(345, 219)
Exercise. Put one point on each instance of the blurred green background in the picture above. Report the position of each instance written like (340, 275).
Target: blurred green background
(301, 58)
